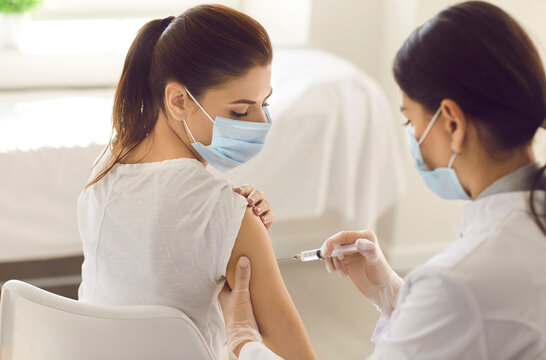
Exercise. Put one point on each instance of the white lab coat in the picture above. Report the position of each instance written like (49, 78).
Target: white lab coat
(484, 297)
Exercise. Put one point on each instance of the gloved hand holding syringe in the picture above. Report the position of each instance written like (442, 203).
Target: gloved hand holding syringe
(357, 254)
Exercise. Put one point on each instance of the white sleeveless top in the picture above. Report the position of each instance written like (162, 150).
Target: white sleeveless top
(160, 233)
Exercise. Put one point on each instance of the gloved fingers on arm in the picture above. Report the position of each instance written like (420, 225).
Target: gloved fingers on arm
(240, 323)
(242, 275)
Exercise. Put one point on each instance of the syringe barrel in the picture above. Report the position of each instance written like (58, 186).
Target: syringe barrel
(341, 250)
(310, 255)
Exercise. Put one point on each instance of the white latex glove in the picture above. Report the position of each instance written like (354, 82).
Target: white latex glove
(368, 268)
(241, 326)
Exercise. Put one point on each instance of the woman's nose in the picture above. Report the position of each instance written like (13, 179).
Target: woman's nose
(261, 116)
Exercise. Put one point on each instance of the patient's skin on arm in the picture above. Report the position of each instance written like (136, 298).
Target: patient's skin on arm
(278, 320)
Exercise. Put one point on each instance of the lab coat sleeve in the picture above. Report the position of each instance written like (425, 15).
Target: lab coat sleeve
(380, 328)
(257, 351)
(436, 317)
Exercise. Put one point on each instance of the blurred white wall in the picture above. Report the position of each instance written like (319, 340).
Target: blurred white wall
(369, 32)
(91, 54)
(286, 28)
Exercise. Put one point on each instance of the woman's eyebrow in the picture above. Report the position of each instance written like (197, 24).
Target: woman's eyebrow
(403, 108)
(250, 102)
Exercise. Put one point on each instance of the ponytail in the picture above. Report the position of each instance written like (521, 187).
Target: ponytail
(135, 110)
(538, 218)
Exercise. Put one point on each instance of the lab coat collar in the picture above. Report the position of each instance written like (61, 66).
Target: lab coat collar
(518, 180)
(482, 217)
(507, 194)
(484, 211)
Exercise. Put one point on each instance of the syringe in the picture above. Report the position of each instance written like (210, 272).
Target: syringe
(316, 254)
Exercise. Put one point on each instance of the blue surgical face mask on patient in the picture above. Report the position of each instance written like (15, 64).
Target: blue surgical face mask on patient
(443, 181)
(234, 142)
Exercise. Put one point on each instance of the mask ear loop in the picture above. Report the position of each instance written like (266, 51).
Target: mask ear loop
(188, 130)
(429, 126)
(451, 160)
(199, 105)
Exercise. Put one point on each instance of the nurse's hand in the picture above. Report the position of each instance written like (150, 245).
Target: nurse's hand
(241, 326)
(368, 268)
(256, 200)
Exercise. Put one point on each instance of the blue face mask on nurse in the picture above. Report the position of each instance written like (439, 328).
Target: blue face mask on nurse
(443, 181)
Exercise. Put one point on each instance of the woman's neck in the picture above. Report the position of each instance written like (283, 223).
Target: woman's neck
(163, 143)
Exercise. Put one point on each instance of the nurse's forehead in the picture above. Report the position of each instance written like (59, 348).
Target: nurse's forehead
(411, 106)
(407, 104)
(407, 108)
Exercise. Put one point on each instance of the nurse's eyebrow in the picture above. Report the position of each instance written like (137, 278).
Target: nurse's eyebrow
(403, 108)
(250, 102)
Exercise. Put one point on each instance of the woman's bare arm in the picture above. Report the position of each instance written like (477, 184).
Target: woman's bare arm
(279, 322)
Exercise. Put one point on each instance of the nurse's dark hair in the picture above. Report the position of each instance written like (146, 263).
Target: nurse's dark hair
(477, 55)
(202, 48)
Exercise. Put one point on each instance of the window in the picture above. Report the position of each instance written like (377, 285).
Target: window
(85, 9)
(83, 42)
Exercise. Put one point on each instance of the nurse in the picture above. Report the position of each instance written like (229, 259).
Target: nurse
(473, 91)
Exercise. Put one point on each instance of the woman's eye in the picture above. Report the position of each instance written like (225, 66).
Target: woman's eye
(407, 123)
(239, 115)
(265, 104)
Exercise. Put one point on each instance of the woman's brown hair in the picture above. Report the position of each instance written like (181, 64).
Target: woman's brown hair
(479, 56)
(202, 48)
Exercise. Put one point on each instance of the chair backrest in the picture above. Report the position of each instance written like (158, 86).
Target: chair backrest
(36, 324)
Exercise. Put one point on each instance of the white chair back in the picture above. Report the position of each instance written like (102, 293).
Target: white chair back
(36, 324)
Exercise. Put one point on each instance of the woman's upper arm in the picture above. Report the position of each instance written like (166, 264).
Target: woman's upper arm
(279, 322)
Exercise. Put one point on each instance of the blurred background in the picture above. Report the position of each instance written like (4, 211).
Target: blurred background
(344, 162)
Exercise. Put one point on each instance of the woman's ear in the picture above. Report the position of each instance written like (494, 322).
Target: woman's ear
(176, 101)
(455, 123)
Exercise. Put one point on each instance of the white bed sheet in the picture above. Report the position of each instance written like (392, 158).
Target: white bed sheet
(333, 146)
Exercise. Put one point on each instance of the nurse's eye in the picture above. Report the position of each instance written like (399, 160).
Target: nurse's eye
(407, 123)
(265, 104)
(239, 115)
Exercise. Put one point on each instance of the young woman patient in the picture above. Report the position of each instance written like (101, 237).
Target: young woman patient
(156, 226)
